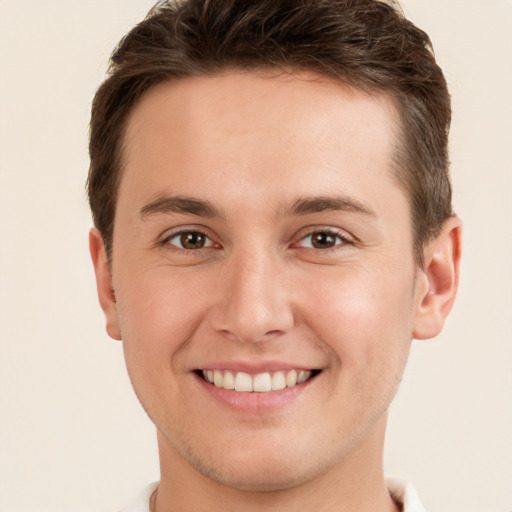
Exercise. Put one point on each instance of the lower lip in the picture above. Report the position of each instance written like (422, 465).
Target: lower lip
(256, 402)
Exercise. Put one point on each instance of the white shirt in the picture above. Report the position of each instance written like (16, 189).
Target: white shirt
(401, 490)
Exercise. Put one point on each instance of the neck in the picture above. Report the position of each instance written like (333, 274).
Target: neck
(354, 484)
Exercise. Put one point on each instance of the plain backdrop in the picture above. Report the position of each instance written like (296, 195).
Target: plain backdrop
(73, 438)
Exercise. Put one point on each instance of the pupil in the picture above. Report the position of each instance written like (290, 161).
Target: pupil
(192, 240)
(323, 240)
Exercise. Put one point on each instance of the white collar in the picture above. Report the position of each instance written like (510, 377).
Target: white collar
(404, 492)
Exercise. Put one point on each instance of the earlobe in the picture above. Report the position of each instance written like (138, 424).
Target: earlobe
(104, 286)
(439, 280)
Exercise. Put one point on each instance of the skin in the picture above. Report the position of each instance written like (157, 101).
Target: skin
(262, 292)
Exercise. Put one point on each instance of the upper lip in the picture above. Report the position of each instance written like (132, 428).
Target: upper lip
(256, 366)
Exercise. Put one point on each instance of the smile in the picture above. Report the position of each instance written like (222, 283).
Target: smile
(260, 383)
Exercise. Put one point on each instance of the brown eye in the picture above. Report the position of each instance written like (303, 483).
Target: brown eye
(322, 240)
(190, 240)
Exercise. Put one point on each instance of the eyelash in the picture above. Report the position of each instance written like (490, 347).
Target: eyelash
(337, 234)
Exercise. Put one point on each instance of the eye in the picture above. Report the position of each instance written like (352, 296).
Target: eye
(190, 240)
(322, 240)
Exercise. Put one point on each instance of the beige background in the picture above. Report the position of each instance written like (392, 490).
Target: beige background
(72, 436)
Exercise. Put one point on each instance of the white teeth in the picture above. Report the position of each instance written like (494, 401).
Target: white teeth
(303, 376)
(261, 383)
(291, 378)
(229, 380)
(218, 378)
(243, 382)
(278, 381)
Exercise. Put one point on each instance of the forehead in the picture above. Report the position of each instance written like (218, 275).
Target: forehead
(231, 133)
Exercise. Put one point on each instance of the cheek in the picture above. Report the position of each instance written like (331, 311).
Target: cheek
(159, 312)
(364, 317)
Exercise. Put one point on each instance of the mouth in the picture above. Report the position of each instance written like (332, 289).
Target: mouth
(259, 383)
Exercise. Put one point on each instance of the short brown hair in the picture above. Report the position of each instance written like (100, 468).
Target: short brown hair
(367, 44)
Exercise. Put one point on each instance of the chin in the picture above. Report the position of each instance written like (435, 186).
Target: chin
(251, 470)
(262, 478)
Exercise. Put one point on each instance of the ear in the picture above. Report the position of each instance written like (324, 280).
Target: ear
(438, 280)
(106, 294)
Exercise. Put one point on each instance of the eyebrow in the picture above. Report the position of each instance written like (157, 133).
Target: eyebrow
(300, 207)
(309, 205)
(180, 204)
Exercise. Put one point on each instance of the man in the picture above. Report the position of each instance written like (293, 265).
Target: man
(273, 225)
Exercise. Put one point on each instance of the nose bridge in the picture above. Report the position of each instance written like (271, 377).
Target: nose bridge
(254, 301)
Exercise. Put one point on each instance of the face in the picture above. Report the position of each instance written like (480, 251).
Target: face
(262, 243)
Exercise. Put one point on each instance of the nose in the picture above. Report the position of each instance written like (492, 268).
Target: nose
(254, 304)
